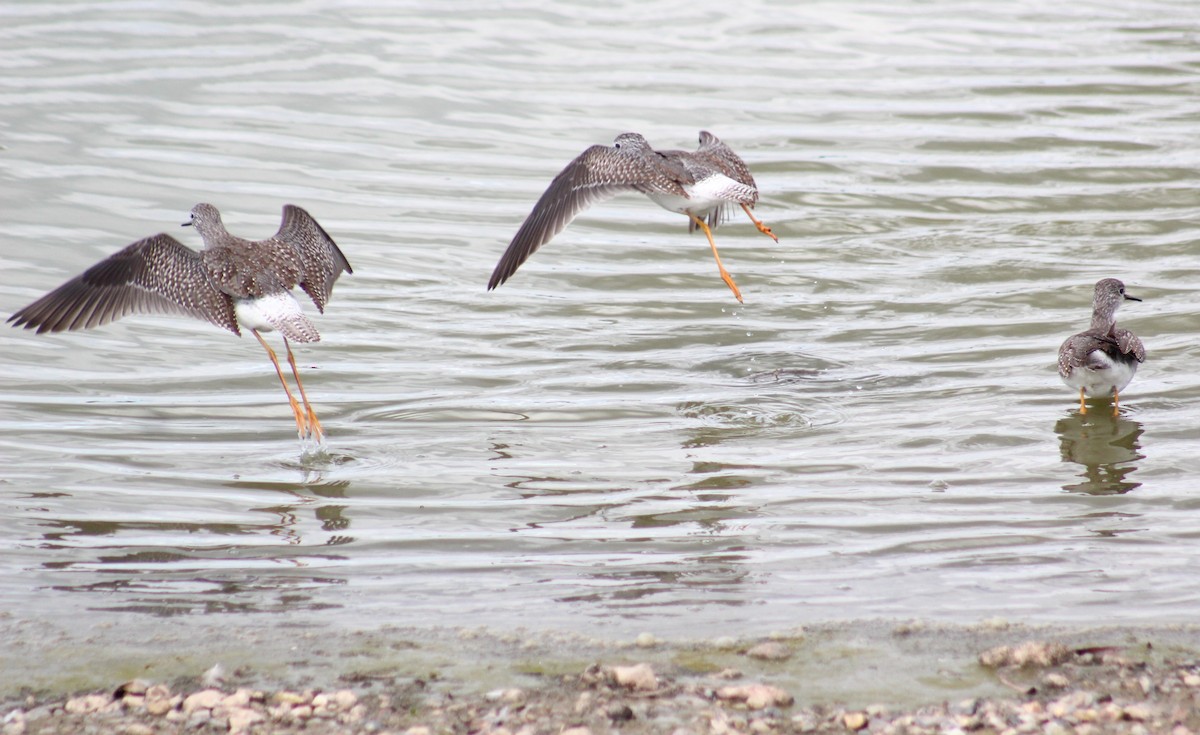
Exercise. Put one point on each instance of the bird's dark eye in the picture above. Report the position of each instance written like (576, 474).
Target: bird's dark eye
(616, 145)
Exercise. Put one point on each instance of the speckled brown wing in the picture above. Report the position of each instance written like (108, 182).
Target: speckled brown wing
(321, 262)
(1075, 350)
(248, 270)
(721, 157)
(597, 174)
(156, 275)
(1129, 344)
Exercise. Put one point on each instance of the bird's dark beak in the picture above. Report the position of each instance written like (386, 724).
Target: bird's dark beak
(1131, 298)
(189, 224)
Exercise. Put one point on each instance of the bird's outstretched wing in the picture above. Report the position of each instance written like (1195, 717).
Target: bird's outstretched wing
(321, 261)
(597, 174)
(156, 275)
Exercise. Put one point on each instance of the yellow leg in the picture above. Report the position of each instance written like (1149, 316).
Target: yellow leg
(728, 279)
(1116, 402)
(301, 423)
(314, 425)
(1082, 405)
(759, 223)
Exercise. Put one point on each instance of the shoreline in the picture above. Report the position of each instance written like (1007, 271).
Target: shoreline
(870, 676)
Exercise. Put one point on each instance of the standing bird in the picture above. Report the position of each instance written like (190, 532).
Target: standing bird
(231, 282)
(702, 184)
(1103, 359)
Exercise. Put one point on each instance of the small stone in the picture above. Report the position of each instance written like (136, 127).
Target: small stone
(725, 642)
(729, 674)
(320, 701)
(242, 719)
(507, 696)
(583, 702)
(1055, 680)
(345, 699)
(577, 730)
(639, 677)
(204, 699)
(302, 712)
(855, 720)
(1192, 680)
(756, 696)
(240, 698)
(138, 728)
(1035, 654)
(421, 730)
(158, 700)
(1138, 711)
(646, 640)
(357, 713)
(770, 651)
(86, 704)
(133, 686)
(288, 698)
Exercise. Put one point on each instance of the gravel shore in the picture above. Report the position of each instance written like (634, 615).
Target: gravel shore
(1113, 681)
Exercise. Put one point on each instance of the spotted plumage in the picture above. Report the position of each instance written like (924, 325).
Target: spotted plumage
(702, 185)
(1103, 359)
(232, 282)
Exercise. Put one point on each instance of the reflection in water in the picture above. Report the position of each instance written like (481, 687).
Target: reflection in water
(181, 571)
(1107, 447)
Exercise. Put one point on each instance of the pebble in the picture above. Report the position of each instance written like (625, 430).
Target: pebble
(205, 699)
(1036, 654)
(507, 696)
(646, 640)
(242, 719)
(756, 696)
(639, 677)
(855, 720)
(770, 651)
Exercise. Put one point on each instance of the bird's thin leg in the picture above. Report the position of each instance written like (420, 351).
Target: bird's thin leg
(762, 227)
(728, 279)
(1116, 402)
(317, 431)
(301, 422)
(1082, 405)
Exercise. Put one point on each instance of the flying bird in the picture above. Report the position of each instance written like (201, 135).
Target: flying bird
(703, 184)
(233, 283)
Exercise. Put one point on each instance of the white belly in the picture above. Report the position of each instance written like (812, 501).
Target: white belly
(277, 311)
(1102, 375)
(705, 195)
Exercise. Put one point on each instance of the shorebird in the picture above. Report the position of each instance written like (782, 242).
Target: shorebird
(233, 283)
(702, 184)
(1103, 359)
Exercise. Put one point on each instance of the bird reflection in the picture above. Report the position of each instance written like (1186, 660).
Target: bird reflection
(1106, 446)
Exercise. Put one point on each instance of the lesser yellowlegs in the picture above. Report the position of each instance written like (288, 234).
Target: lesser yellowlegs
(231, 282)
(702, 184)
(1103, 359)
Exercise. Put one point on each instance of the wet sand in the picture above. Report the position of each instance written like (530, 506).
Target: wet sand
(867, 676)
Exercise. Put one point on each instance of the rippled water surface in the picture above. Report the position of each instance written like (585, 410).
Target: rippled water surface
(609, 442)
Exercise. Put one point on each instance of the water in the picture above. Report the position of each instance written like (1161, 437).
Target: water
(609, 443)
